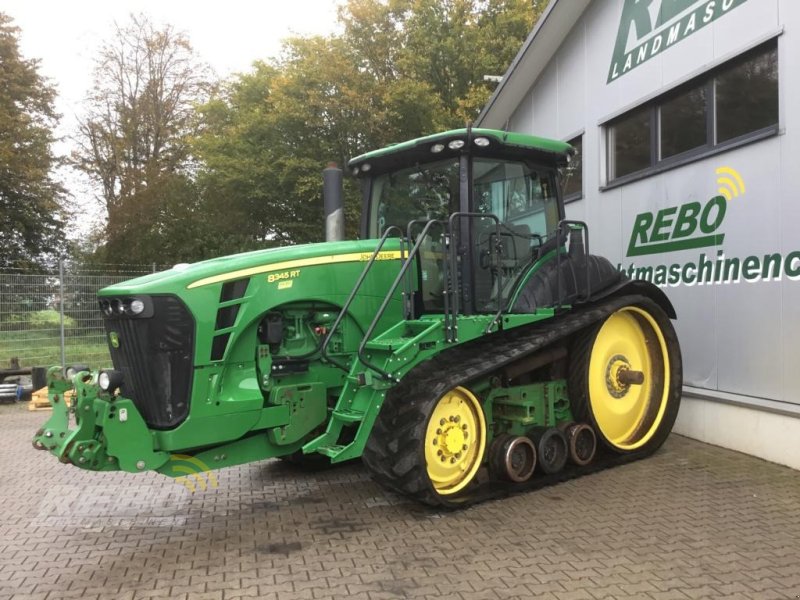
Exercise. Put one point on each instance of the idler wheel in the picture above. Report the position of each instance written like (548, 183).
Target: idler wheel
(513, 457)
(582, 443)
(552, 448)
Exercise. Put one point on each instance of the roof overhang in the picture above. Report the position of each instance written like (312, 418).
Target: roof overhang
(553, 26)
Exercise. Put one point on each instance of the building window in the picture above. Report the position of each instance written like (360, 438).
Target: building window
(630, 142)
(573, 174)
(682, 122)
(747, 96)
(736, 102)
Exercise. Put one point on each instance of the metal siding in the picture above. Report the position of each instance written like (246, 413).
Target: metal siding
(742, 337)
(750, 313)
(571, 81)
(693, 52)
(746, 24)
(545, 102)
(522, 119)
(789, 68)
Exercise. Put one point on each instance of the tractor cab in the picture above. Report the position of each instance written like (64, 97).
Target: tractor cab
(503, 190)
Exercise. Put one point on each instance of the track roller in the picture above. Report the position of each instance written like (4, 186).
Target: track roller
(513, 457)
(581, 442)
(552, 448)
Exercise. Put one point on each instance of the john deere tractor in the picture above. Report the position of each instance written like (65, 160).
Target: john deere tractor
(468, 345)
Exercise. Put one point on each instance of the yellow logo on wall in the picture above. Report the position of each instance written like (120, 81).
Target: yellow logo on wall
(731, 184)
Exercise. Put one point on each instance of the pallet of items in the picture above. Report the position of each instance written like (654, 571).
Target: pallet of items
(39, 400)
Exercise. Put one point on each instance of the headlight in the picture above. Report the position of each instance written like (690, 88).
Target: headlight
(109, 380)
(136, 307)
(481, 142)
(436, 148)
(456, 144)
(105, 306)
(139, 307)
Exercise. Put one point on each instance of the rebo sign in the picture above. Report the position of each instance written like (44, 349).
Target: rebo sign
(695, 225)
(652, 26)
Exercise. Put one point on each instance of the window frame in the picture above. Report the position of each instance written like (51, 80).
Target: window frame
(711, 147)
(580, 194)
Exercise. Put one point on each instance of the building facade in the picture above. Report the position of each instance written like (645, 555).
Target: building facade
(686, 115)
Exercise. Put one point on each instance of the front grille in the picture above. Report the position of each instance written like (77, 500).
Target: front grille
(154, 354)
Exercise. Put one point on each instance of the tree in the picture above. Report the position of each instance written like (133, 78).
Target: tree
(134, 139)
(31, 216)
(399, 69)
(445, 45)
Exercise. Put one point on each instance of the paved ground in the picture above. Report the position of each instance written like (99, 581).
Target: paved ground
(693, 521)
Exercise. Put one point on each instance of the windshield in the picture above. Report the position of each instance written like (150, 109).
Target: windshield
(427, 191)
(519, 194)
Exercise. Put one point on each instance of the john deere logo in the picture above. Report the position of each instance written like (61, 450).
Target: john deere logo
(648, 27)
(113, 338)
(692, 226)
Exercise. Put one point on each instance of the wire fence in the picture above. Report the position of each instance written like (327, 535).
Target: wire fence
(52, 318)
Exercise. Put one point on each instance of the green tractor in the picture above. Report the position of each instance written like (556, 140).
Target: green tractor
(467, 346)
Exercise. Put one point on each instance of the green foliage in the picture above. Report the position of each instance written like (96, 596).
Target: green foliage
(164, 223)
(45, 319)
(42, 347)
(399, 69)
(40, 319)
(30, 200)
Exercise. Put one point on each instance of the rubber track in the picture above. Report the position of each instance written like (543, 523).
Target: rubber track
(394, 455)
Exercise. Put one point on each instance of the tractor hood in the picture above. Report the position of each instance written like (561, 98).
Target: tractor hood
(239, 266)
(196, 327)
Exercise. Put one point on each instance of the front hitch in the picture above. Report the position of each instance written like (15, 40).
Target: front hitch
(109, 434)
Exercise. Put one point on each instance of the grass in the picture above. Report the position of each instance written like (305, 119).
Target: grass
(42, 348)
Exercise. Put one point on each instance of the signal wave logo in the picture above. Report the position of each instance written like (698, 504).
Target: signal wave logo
(731, 184)
(192, 473)
(689, 225)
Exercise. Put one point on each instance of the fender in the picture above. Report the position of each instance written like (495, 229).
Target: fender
(637, 286)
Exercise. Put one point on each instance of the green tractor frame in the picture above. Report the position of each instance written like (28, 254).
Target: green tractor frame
(467, 346)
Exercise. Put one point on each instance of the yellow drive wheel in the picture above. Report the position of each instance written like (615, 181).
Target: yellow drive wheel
(623, 378)
(455, 441)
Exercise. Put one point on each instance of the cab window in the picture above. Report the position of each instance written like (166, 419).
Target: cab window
(524, 198)
(517, 193)
(428, 191)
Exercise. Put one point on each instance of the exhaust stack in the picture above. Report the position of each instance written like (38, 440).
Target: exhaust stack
(334, 205)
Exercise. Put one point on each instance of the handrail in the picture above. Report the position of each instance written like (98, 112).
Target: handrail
(382, 309)
(354, 291)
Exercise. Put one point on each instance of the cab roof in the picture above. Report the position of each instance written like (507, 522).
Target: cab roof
(517, 145)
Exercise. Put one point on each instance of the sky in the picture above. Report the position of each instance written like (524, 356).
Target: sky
(227, 35)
